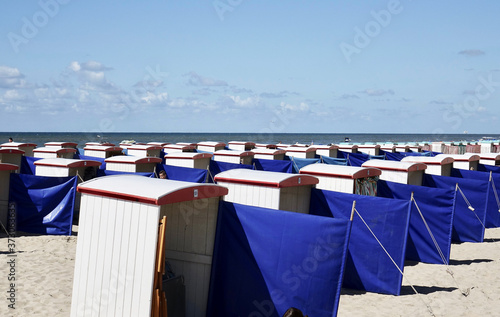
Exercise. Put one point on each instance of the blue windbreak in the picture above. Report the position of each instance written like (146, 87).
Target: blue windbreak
(273, 165)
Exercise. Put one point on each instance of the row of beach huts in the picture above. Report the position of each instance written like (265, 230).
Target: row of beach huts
(251, 229)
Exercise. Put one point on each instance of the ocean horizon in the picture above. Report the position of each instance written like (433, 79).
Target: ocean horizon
(40, 138)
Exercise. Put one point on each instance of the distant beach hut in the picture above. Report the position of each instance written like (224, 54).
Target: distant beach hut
(116, 276)
(143, 150)
(236, 157)
(487, 146)
(172, 148)
(437, 147)
(5, 170)
(268, 154)
(189, 159)
(301, 152)
(370, 149)
(265, 146)
(132, 164)
(99, 144)
(240, 145)
(26, 147)
(162, 144)
(345, 179)
(11, 156)
(187, 143)
(388, 147)
(400, 172)
(472, 147)
(209, 146)
(467, 161)
(291, 192)
(102, 151)
(63, 167)
(402, 148)
(126, 144)
(435, 165)
(62, 145)
(349, 148)
(489, 158)
(54, 152)
(327, 150)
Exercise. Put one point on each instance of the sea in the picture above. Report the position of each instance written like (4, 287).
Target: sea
(40, 138)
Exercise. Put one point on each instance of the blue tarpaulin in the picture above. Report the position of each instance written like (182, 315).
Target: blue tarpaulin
(43, 205)
(392, 156)
(368, 267)
(216, 167)
(186, 174)
(27, 165)
(488, 168)
(266, 261)
(437, 208)
(298, 163)
(493, 203)
(468, 225)
(333, 160)
(354, 159)
(273, 165)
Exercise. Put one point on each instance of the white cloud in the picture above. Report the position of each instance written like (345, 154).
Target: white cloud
(378, 92)
(198, 80)
(11, 77)
(471, 52)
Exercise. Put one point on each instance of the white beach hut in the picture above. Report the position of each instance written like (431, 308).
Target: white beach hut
(268, 154)
(189, 159)
(402, 148)
(291, 192)
(143, 150)
(437, 147)
(118, 237)
(327, 150)
(54, 152)
(172, 148)
(487, 146)
(187, 143)
(240, 145)
(63, 167)
(349, 148)
(62, 145)
(489, 158)
(236, 157)
(102, 151)
(435, 165)
(345, 179)
(126, 144)
(467, 161)
(5, 170)
(11, 156)
(99, 144)
(209, 146)
(132, 164)
(400, 172)
(26, 147)
(388, 147)
(265, 146)
(162, 144)
(301, 152)
(370, 149)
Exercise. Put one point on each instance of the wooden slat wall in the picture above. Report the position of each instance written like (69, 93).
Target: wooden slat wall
(121, 167)
(115, 258)
(343, 185)
(51, 171)
(295, 199)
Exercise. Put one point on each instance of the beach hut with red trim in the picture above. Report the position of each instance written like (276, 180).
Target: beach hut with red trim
(344, 179)
(11, 156)
(240, 145)
(62, 145)
(269, 154)
(441, 165)
(370, 149)
(187, 143)
(63, 167)
(437, 146)
(210, 146)
(409, 173)
(172, 148)
(349, 148)
(132, 164)
(143, 150)
(265, 146)
(236, 157)
(54, 152)
(99, 144)
(5, 170)
(284, 191)
(301, 152)
(26, 147)
(466, 161)
(327, 150)
(102, 151)
(388, 147)
(489, 158)
(118, 237)
(162, 144)
(188, 159)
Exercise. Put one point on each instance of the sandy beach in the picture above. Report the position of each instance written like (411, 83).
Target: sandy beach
(43, 272)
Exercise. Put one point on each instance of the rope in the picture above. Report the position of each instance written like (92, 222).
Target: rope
(393, 262)
(470, 206)
(495, 190)
(296, 167)
(78, 174)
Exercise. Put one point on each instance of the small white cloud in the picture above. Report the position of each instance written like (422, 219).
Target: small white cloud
(378, 92)
(471, 52)
(11, 77)
(198, 80)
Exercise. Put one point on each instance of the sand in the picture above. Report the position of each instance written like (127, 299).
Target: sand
(44, 280)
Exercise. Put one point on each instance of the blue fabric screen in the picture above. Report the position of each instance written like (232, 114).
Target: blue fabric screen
(273, 165)
(468, 225)
(216, 167)
(298, 163)
(27, 165)
(266, 261)
(333, 160)
(354, 159)
(437, 207)
(187, 174)
(488, 168)
(368, 267)
(43, 205)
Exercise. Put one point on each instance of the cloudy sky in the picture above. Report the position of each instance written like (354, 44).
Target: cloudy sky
(250, 66)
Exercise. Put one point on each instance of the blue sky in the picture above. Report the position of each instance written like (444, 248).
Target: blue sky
(250, 66)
